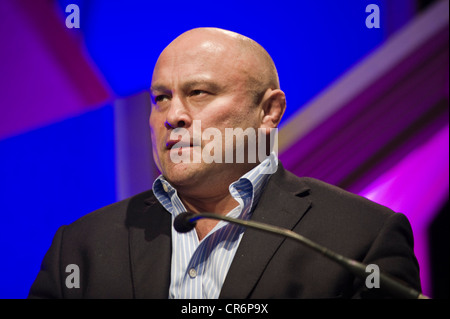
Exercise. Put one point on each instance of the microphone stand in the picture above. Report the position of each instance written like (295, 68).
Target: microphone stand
(186, 222)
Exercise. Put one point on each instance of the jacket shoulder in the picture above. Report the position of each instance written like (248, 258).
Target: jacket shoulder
(324, 193)
(110, 218)
(339, 196)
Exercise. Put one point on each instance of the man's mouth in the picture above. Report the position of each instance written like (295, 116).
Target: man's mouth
(171, 144)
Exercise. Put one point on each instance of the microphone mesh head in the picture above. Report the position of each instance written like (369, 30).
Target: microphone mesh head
(183, 224)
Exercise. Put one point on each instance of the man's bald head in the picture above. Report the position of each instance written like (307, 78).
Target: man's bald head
(249, 56)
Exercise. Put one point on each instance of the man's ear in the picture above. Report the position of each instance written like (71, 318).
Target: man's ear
(273, 107)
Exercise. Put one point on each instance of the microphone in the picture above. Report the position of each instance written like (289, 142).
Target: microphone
(186, 221)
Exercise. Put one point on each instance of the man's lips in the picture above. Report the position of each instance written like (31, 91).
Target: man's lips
(178, 144)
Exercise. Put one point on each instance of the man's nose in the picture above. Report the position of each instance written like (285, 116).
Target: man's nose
(178, 115)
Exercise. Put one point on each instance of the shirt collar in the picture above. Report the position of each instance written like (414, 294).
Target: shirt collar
(246, 190)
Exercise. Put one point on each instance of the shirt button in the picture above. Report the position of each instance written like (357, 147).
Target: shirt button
(166, 189)
(192, 273)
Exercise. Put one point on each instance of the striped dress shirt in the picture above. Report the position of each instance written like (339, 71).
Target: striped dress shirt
(199, 268)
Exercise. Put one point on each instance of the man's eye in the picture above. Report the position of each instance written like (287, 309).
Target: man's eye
(197, 92)
(160, 98)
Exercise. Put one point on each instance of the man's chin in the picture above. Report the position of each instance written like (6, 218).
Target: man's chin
(184, 174)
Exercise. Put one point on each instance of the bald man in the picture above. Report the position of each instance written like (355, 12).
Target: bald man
(205, 83)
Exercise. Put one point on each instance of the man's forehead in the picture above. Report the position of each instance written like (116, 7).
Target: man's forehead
(209, 64)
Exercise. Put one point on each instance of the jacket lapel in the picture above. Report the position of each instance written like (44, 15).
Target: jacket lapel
(150, 247)
(282, 204)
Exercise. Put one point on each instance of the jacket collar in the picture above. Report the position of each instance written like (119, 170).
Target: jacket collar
(283, 203)
(150, 248)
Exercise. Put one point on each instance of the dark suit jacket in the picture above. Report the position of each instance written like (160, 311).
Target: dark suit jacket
(124, 250)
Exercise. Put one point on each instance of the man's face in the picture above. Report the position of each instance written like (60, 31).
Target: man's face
(205, 81)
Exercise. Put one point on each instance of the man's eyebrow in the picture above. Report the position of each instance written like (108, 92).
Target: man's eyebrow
(190, 84)
(187, 85)
(159, 88)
